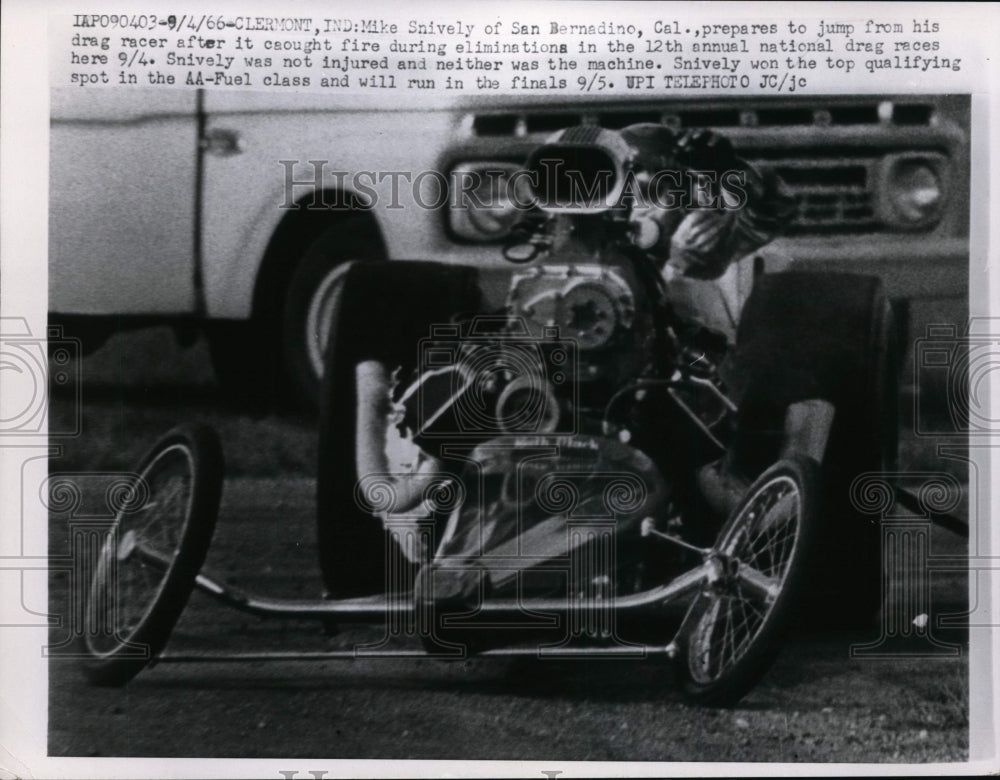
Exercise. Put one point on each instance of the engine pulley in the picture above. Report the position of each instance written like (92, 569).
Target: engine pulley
(590, 304)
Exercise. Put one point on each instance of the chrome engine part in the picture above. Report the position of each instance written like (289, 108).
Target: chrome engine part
(591, 305)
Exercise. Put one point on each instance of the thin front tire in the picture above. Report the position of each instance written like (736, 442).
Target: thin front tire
(151, 554)
(740, 618)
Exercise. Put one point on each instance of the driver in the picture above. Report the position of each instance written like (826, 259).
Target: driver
(706, 240)
(695, 208)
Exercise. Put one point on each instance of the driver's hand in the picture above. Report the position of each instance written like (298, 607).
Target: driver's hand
(670, 273)
(699, 247)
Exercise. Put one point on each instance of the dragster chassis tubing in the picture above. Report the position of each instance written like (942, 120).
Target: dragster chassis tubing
(376, 609)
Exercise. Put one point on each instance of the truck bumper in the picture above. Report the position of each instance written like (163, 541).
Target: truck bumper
(911, 267)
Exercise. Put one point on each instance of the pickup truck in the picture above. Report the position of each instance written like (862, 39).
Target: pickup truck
(230, 213)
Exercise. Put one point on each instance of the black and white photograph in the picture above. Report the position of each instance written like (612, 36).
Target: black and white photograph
(497, 389)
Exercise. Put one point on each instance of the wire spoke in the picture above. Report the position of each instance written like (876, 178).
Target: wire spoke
(126, 588)
(759, 547)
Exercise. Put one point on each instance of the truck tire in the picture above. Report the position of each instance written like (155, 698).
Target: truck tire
(310, 304)
(274, 359)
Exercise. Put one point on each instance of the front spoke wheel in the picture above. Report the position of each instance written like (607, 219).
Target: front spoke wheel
(151, 554)
(760, 556)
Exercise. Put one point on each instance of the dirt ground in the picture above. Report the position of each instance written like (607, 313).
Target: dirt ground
(818, 703)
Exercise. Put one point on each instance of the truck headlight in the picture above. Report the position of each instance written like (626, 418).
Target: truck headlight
(914, 190)
(486, 199)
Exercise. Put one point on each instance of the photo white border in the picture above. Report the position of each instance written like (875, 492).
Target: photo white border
(24, 157)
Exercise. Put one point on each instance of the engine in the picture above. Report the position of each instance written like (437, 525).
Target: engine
(577, 329)
(593, 307)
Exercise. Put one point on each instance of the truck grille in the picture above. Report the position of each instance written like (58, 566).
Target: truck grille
(833, 181)
(832, 114)
(833, 196)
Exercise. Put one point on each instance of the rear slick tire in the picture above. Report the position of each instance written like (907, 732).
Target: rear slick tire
(386, 310)
(829, 336)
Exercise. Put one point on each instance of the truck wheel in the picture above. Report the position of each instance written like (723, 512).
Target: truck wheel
(830, 336)
(277, 355)
(387, 307)
(311, 301)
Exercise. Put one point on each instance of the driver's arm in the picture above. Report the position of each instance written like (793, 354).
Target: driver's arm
(710, 238)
